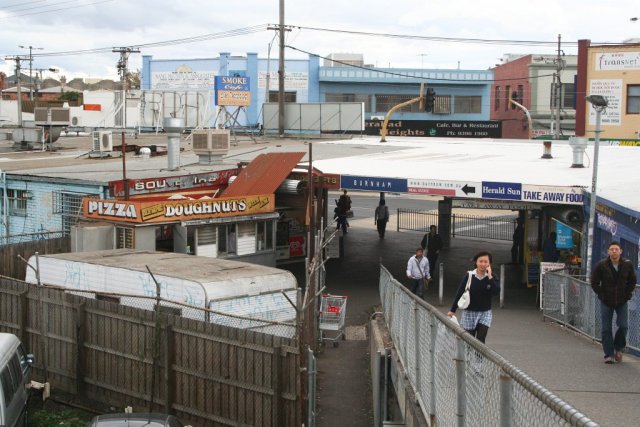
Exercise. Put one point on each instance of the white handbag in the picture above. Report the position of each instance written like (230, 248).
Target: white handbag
(465, 299)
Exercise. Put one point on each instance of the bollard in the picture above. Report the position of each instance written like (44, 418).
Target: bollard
(501, 285)
(440, 282)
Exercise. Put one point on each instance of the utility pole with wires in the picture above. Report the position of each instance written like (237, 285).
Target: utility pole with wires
(31, 49)
(124, 74)
(18, 84)
(557, 86)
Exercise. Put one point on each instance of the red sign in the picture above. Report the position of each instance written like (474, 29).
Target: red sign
(296, 246)
(168, 184)
(92, 107)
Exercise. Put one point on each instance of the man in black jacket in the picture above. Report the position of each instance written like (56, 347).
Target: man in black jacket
(614, 280)
(432, 243)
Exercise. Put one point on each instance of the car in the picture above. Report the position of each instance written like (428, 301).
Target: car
(136, 419)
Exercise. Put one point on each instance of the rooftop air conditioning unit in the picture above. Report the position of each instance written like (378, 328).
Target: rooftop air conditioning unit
(76, 121)
(102, 141)
(210, 144)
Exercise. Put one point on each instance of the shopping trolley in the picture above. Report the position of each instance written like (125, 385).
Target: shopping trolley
(333, 310)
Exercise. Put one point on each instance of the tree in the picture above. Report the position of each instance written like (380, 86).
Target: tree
(133, 79)
(70, 96)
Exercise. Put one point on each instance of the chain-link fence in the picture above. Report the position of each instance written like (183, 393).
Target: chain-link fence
(569, 300)
(459, 381)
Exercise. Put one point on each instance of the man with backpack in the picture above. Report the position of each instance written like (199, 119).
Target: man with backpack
(381, 217)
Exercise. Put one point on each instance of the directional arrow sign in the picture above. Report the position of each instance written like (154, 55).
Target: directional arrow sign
(468, 189)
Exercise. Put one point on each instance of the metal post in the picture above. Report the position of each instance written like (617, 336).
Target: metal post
(506, 384)
(592, 199)
(501, 285)
(558, 94)
(311, 388)
(461, 392)
(440, 283)
(281, 73)
(417, 353)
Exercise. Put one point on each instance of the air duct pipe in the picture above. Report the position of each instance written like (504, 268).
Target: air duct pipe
(174, 127)
(578, 145)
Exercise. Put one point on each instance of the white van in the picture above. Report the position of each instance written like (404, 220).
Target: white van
(15, 373)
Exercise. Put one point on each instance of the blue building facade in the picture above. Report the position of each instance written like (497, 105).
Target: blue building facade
(461, 95)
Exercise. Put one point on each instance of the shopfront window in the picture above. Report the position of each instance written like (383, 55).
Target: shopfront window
(264, 236)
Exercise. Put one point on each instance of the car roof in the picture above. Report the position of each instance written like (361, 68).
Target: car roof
(138, 419)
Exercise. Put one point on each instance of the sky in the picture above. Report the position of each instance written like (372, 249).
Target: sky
(405, 32)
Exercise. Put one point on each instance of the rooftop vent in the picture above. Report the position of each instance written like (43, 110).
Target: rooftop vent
(578, 145)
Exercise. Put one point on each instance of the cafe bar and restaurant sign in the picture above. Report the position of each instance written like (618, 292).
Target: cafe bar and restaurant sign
(142, 212)
(437, 128)
(206, 180)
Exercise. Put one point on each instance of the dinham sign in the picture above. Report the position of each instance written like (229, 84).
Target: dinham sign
(175, 210)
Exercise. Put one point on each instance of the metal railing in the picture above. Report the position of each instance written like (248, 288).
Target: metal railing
(569, 300)
(458, 380)
(495, 228)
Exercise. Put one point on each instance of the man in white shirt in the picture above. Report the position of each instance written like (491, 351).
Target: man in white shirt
(418, 273)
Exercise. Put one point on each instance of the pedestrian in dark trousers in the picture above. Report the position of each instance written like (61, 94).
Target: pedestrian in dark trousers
(342, 209)
(517, 255)
(418, 273)
(432, 243)
(483, 284)
(614, 279)
(381, 217)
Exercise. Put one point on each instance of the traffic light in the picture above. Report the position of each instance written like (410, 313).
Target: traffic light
(515, 98)
(430, 100)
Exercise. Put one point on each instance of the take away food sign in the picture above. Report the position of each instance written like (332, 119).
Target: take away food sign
(175, 210)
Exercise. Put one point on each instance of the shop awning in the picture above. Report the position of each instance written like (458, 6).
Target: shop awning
(264, 174)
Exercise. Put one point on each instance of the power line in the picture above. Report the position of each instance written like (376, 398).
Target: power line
(392, 73)
(54, 10)
(22, 4)
(439, 39)
(192, 39)
(43, 6)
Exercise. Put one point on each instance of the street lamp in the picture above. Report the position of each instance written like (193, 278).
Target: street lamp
(31, 48)
(599, 104)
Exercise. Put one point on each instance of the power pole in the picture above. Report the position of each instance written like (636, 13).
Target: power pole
(558, 91)
(18, 85)
(281, 73)
(31, 48)
(124, 72)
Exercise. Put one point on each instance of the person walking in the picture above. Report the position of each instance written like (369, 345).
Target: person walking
(483, 284)
(549, 249)
(613, 280)
(432, 243)
(381, 217)
(418, 273)
(517, 255)
(343, 206)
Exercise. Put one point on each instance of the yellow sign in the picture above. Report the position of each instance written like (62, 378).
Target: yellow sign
(176, 210)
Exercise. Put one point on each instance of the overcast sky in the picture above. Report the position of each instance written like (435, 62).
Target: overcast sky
(76, 25)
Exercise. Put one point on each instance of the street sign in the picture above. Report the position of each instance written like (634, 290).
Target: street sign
(372, 183)
(501, 190)
(444, 188)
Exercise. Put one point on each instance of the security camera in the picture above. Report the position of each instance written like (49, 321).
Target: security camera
(597, 100)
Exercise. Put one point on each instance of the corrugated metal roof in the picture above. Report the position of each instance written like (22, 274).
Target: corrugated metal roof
(264, 174)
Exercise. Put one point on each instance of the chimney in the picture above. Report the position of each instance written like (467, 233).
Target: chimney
(578, 144)
(173, 126)
(546, 154)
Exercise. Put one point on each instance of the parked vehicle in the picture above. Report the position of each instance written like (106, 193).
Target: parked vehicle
(244, 291)
(136, 420)
(15, 376)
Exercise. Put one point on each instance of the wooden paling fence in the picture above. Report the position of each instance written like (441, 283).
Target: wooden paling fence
(206, 374)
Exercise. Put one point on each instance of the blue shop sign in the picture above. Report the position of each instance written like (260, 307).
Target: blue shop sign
(372, 183)
(564, 236)
(501, 190)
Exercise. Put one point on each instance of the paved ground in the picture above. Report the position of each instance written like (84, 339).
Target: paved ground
(567, 364)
